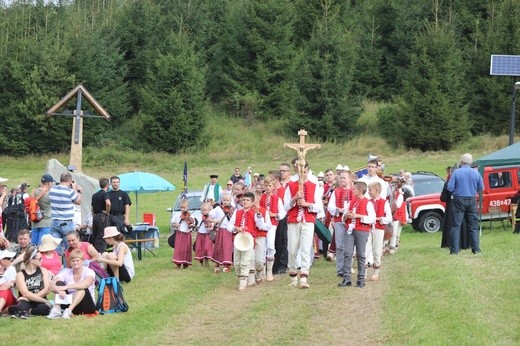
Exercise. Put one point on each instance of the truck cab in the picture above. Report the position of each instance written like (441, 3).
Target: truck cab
(501, 185)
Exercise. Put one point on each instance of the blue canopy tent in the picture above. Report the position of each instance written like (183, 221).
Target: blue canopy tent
(142, 182)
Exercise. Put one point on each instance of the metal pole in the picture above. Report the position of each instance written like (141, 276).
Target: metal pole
(512, 126)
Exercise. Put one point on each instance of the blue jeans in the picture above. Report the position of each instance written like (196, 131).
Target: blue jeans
(59, 229)
(37, 233)
(464, 208)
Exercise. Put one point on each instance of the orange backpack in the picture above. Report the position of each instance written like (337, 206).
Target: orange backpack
(32, 207)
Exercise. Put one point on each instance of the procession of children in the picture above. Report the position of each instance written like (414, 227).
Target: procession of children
(241, 226)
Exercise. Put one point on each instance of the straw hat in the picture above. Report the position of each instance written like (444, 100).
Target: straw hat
(7, 254)
(244, 241)
(111, 232)
(49, 243)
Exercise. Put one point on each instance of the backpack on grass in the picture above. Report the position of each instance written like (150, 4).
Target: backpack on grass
(110, 297)
(100, 272)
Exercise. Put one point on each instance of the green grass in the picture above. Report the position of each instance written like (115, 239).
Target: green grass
(425, 296)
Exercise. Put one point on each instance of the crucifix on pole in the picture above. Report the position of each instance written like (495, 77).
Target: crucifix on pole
(301, 149)
(76, 143)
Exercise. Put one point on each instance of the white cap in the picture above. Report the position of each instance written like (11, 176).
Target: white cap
(320, 175)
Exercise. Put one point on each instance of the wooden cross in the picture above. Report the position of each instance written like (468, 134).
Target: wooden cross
(301, 149)
(76, 144)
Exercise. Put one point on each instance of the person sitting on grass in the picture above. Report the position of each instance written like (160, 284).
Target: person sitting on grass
(7, 279)
(33, 284)
(88, 250)
(76, 283)
(119, 262)
(51, 259)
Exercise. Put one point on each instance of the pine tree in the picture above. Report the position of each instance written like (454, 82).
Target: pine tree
(434, 109)
(325, 102)
(173, 100)
(256, 58)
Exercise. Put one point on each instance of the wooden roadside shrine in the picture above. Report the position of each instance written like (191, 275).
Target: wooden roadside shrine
(76, 144)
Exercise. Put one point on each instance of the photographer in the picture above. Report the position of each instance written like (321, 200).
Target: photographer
(63, 197)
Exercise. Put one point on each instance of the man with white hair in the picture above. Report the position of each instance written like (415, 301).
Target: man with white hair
(464, 184)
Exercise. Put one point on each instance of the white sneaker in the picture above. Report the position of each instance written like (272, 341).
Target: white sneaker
(54, 314)
(67, 313)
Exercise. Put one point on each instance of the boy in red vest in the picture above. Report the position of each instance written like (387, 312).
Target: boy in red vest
(383, 219)
(271, 202)
(246, 220)
(337, 206)
(360, 217)
(302, 206)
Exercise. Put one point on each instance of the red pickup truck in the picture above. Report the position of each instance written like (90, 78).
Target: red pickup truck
(501, 184)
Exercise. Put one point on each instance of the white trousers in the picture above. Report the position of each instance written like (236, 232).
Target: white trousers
(396, 227)
(271, 235)
(299, 239)
(242, 261)
(260, 252)
(378, 236)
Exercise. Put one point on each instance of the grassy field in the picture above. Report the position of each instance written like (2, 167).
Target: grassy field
(424, 296)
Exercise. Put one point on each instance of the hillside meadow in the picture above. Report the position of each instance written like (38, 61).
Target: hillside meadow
(424, 295)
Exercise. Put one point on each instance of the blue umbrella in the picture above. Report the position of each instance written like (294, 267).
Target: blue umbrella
(142, 182)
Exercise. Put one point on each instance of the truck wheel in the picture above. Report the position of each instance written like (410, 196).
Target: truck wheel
(430, 222)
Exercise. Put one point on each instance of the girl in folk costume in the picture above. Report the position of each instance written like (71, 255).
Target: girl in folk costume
(223, 250)
(399, 217)
(383, 218)
(360, 217)
(337, 206)
(271, 202)
(183, 224)
(203, 242)
(249, 221)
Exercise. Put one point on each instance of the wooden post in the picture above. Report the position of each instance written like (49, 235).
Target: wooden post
(76, 143)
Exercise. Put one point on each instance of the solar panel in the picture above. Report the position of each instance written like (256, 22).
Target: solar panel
(505, 65)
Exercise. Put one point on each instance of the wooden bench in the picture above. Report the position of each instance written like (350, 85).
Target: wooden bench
(138, 244)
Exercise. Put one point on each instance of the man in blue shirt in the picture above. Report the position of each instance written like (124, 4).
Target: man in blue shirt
(62, 198)
(464, 184)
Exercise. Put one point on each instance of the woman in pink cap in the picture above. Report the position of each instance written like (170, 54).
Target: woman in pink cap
(119, 262)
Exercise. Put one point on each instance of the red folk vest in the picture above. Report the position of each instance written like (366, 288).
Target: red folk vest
(340, 196)
(249, 221)
(260, 232)
(361, 209)
(400, 213)
(272, 206)
(379, 206)
(309, 188)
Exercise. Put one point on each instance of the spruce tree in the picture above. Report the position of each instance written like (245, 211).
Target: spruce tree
(434, 108)
(325, 101)
(172, 113)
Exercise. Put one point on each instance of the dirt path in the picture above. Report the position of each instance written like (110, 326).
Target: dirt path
(278, 314)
